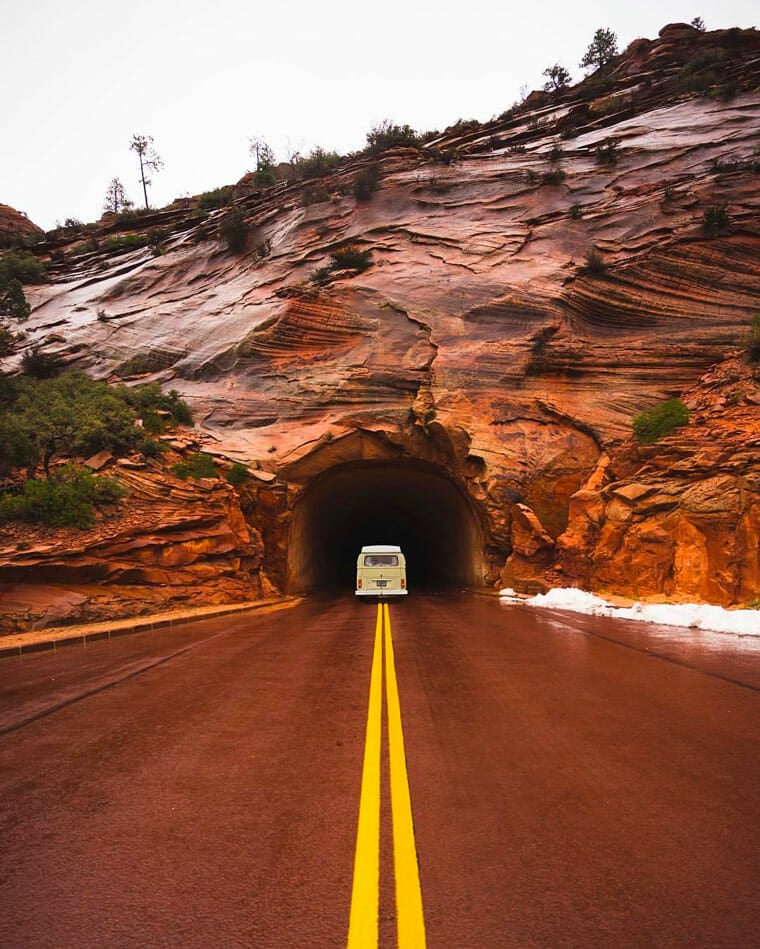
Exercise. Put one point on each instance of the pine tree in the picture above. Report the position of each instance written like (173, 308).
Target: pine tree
(601, 49)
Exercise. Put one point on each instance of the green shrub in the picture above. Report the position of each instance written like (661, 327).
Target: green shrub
(266, 176)
(366, 182)
(726, 92)
(696, 82)
(22, 266)
(150, 448)
(314, 194)
(607, 154)
(319, 163)
(13, 303)
(553, 177)
(218, 198)
(595, 265)
(321, 276)
(40, 365)
(597, 86)
(129, 216)
(148, 361)
(388, 135)
(72, 414)
(7, 341)
(351, 257)
(237, 474)
(106, 490)
(753, 343)
(660, 420)
(197, 465)
(234, 231)
(126, 242)
(67, 499)
(704, 60)
(462, 127)
(149, 400)
(444, 156)
(715, 220)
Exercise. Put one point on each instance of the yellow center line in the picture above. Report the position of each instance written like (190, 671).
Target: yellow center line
(410, 920)
(362, 929)
(365, 895)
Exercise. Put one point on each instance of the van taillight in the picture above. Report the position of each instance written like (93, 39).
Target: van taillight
(403, 583)
(359, 583)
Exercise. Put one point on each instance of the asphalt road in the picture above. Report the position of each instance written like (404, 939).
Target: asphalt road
(574, 782)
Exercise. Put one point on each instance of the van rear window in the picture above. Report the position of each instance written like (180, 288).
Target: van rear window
(381, 560)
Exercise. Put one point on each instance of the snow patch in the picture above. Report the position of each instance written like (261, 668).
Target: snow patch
(689, 615)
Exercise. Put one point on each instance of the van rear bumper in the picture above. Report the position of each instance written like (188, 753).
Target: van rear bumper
(382, 592)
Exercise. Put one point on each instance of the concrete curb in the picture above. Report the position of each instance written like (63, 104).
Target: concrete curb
(18, 644)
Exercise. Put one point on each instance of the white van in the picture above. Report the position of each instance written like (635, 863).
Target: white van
(381, 571)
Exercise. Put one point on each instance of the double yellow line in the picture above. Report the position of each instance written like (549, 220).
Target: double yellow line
(365, 897)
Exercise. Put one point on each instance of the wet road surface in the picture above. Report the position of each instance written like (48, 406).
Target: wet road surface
(574, 782)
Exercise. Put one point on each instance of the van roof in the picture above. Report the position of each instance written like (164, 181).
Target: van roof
(381, 548)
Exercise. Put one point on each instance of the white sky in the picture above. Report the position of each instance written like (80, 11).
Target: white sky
(78, 78)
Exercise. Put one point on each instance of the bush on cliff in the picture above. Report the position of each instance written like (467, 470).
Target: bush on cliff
(13, 302)
(22, 266)
(351, 257)
(389, 135)
(318, 164)
(7, 341)
(38, 364)
(595, 265)
(753, 343)
(660, 420)
(126, 242)
(18, 267)
(218, 198)
(68, 499)
(715, 220)
(197, 465)
(366, 181)
(234, 231)
(156, 408)
(237, 474)
(72, 414)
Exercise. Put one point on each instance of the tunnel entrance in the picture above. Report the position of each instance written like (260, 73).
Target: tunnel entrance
(407, 503)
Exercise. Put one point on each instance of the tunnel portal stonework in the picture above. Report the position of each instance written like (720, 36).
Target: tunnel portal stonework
(465, 518)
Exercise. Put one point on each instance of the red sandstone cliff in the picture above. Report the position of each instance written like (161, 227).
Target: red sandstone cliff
(16, 228)
(482, 340)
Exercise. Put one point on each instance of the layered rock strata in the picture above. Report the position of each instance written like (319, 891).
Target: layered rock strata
(533, 283)
(169, 543)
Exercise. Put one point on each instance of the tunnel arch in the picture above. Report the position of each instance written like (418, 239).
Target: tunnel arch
(413, 504)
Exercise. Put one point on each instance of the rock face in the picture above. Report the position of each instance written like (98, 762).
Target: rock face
(681, 517)
(533, 284)
(16, 228)
(169, 544)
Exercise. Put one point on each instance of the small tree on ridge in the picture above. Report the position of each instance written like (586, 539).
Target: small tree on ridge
(601, 49)
(116, 197)
(149, 158)
(557, 78)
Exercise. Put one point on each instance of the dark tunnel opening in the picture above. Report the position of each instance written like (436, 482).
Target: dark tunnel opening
(409, 504)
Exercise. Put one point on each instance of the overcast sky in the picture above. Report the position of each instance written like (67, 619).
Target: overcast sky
(79, 78)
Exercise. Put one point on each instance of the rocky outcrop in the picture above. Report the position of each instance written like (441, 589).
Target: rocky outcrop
(680, 518)
(16, 228)
(168, 543)
(530, 285)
